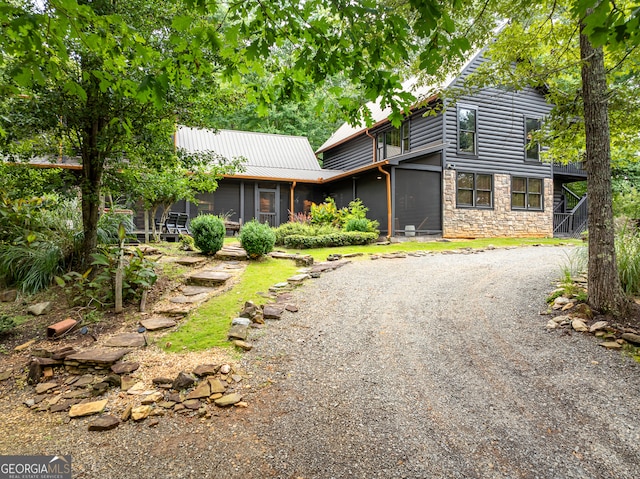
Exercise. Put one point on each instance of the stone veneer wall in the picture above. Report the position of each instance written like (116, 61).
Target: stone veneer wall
(499, 221)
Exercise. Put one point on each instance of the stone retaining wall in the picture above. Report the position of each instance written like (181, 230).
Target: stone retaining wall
(499, 221)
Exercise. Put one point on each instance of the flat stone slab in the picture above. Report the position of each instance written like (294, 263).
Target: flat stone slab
(196, 290)
(126, 340)
(125, 367)
(228, 400)
(272, 311)
(190, 261)
(298, 278)
(104, 423)
(98, 356)
(230, 254)
(184, 299)
(631, 337)
(87, 409)
(153, 324)
(209, 278)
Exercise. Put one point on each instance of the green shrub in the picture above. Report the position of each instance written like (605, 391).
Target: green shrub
(208, 233)
(108, 225)
(335, 239)
(7, 323)
(256, 238)
(187, 243)
(288, 229)
(325, 213)
(361, 224)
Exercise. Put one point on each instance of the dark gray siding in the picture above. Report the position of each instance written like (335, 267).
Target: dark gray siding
(352, 154)
(500, 130)
(424, 130)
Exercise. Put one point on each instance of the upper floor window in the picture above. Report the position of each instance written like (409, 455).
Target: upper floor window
(474, 190)
(526, 193)
(531, 147)
(467, 130)
(392, 142)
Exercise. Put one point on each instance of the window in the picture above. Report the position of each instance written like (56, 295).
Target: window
(474, 190)
(526, 193)
(393, 142)
(531, 148)
(467, 127)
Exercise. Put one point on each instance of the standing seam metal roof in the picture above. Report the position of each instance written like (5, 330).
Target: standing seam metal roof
(267, 151)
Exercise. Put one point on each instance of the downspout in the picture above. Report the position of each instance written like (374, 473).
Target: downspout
(366, 132)
(292, 211)
(388, 178)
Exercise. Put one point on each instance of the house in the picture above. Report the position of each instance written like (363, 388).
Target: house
(466, 171)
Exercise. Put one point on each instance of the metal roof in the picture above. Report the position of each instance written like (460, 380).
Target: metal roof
(279, 155)
(286, 174)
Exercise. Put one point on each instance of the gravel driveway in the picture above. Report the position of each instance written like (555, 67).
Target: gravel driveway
(430, 367)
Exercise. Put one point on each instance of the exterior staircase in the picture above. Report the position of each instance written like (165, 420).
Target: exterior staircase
(570, 215)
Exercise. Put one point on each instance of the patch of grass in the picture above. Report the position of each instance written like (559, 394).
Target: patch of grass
(173, 271)
(207, 327)
(320, 254)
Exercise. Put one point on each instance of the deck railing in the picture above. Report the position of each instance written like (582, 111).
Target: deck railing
(572, 223)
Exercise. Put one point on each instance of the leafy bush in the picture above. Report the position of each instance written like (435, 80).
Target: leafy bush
(257, 239)
(325, 213)
(208, 233)
(108, 225)
(328, 240)
(31, 266)
(361, 224)
(187, 243)
(6, 324)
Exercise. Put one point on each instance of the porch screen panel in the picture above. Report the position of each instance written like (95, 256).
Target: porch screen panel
(249, 202)
(342, 192)
(418, 199)
(303, 196)
(373, 193)
(226, 200)
(285, 202)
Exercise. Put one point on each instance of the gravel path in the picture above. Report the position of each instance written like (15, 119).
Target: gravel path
(431, 367)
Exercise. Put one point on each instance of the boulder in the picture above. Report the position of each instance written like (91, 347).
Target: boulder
(39, 309)
(631, 337)
(206, 370)
(141, 412)
(228, 400)
(238, 332)
(598, 326)
(578, 325)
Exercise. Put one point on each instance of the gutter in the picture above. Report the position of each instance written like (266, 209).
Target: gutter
(374, 152)
(388, 182)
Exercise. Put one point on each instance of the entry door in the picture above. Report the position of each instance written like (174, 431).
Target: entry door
(267, 206)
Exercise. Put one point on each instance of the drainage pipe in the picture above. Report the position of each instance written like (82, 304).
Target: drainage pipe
(388, 182)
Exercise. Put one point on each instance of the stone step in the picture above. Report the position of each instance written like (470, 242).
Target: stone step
(190, 261)
(158, 322)
(208, 278)
(126, 340)
(230, 253)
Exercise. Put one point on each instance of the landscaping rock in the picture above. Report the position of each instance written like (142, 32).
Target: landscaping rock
(298, 278)
(35, 372)
(8, 295)
(87, 409)
(190, 260)
(272, 311)
(153, 324)
(292, 308)
(39, 309)
(598, 326)
(162, 381)
(243, 344)
(127, 382)
(182, 381)
(97, 357)
(124, 367)
(216, 386)
(631, 337)
(202, 391)
(582, 310)
(611, 345)
(231, 253)
(45, 387)
(196, 290)
(193, 404)
(578, 325)
(241, 321)
(238, 332)
(152, 398)
(225, 369)
(104, 423)
(4, 375)
(228, 400)
(24, 346)
(206, 370)
(209, 278)
(191, 299)
(126, 340)
(140, 413)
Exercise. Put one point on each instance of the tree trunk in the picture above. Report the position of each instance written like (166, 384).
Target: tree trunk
(90, 189)
(605, 291)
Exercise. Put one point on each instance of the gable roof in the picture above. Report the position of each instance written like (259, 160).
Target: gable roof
(423, 93)
(267, 155)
